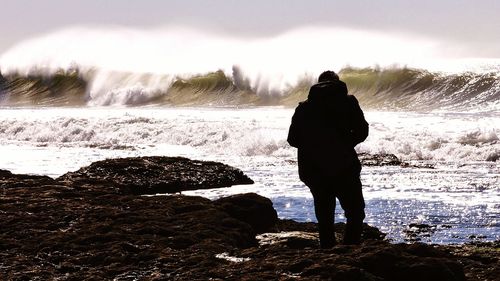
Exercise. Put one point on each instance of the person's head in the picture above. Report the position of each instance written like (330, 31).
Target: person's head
(328, 76)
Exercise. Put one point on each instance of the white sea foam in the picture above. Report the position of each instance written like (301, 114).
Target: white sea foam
(250, 132)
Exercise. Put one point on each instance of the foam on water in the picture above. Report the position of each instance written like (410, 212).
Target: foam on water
(439, 137)
(462, 191)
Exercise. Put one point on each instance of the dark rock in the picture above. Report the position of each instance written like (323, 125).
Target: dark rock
(251, 208)
(9, 180)
(480, 260)
(152, 175)
(416, 231)
(385, 159)
(423, 250)
(379, 159)
(5, 173)
(291, 225)
(77, 230)
(369, 232)
(428, 269)
(394, 263)
(372, 233)
(294, 242)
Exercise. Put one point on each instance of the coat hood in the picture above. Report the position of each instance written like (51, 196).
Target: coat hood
(327, 90)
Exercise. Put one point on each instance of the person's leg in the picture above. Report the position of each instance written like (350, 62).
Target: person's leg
(324, 207)
(351, 200)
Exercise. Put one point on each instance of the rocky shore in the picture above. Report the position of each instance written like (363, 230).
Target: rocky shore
(100, 223)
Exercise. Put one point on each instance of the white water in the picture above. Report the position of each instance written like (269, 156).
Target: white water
(125, 65)
(462, 192)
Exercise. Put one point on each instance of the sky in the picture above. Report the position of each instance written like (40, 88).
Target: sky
(473, 26)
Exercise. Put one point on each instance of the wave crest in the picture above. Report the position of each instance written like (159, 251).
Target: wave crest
(409, 89)
(385, 89)
(61, 88)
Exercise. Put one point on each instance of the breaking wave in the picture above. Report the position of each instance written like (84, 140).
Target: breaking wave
(411, 89)
(177, 66)
(384, 89)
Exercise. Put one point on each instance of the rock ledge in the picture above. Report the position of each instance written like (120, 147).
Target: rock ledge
(155, 174)
(98, 228)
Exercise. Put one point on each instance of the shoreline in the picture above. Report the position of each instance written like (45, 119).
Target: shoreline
(79, 227)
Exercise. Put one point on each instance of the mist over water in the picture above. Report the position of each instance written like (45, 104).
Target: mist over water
(269, 64)
(186, 51)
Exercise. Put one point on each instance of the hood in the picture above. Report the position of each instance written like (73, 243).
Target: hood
(328, 90)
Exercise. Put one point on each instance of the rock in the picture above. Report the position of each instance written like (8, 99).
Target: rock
(416, 231)
(251, 208)
(385, 159)
(10, 180)
(379, 159)
(44, 237)
(284, 225)
(481, 260)
(72, 229)
(5, 173)
(152, 175)
(291, 239)
(369, 232)
(372, 233)
(394, 263)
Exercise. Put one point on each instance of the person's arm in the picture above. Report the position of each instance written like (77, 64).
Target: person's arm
(295, 131)
(359, 128)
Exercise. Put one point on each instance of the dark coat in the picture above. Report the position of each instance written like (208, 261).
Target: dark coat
(325, 128)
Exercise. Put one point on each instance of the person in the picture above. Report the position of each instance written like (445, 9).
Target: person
(325, 128)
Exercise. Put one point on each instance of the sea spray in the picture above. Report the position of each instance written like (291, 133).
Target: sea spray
(182, 66)
(264, 65)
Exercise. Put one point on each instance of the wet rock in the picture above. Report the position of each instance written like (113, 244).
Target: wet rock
(8, 180)
(379, 159)
(298, 235)
(481, 260)
(76, 230)
(417, 231)
(4, 173)
(396, 263)
(385, 159)
(251, 208)
(292, 239)
(152, 175)
(291, 225)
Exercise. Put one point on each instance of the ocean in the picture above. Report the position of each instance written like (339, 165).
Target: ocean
(459, 197)
(61, 109)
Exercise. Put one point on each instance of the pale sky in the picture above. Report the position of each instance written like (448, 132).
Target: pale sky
(472, 24)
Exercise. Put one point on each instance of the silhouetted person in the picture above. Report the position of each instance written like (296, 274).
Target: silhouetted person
(325, 128)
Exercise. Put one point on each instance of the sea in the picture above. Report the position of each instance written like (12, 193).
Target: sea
(58, 115)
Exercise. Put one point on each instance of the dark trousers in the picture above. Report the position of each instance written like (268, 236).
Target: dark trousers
(348, 192)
